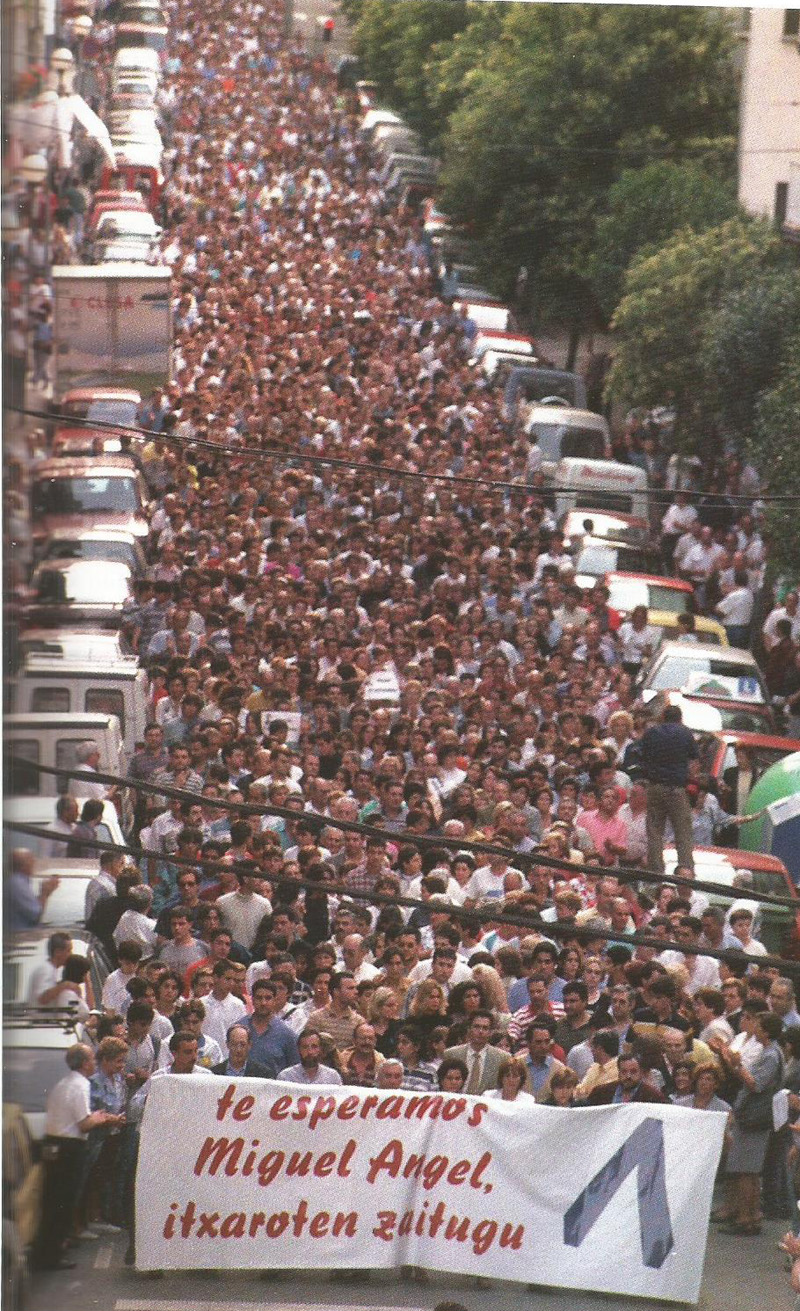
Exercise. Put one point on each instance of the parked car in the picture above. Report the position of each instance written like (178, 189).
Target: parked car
(97, 544)
(725, 678)
(35, 1043)
(702, 716)
(74, 644)
(601, 525)
(746, 872)
(563, 432)
(718, 752)
(596, 558)
(80, 591)
(581, 483)
(102, 405)
(63, 687)
(87, 493)
(706, 630)
(626, 591)
(51, 740)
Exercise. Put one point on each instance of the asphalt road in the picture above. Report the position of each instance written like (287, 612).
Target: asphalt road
(741, 1275)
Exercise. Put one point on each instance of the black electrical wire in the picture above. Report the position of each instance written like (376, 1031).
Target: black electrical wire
(358, 466)
(547, 928)
(624, 874)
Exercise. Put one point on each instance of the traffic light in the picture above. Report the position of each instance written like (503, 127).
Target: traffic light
(327, 30)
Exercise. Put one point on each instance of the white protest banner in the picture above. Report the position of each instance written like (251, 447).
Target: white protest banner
(245, 1173)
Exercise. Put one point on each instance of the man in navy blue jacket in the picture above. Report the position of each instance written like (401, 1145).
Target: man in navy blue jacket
(667, 748)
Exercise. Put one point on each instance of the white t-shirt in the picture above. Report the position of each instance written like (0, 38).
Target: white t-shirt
(220, 1015)
(737, 606)
(45, 976)
(67, 1106)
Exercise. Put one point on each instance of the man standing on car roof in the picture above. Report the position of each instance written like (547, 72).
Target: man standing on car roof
(666, 751)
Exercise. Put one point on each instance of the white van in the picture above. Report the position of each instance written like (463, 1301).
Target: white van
(489, 317)
(69, 687)
(51, 739)
(502, 343)
(600, 485)
(562, 432)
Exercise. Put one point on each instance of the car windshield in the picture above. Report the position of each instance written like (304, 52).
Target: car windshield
(119, 552)
(29, 1073)
(105, 411)
(707, 676)
(598, 560)
(84, 585)
(557, 442)
(85, 495)
(672, 599)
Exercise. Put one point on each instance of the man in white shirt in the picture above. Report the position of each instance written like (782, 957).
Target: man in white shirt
(222, 1008)
(115, 989)
(242, 911)
(703, 971)
(789, 610)
(354, 955)
(69, 1119)
(46, 987)
(87, 760)
(488, 881)
(66, 818)
(309, 1069)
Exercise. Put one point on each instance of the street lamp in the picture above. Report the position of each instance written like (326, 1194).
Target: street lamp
(34, 169)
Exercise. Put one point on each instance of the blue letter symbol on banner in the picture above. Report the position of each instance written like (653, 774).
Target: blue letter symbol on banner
(643, 1152)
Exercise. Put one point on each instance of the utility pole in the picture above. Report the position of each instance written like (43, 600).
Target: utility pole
(288, 20)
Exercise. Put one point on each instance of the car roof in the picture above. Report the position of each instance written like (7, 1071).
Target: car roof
(730, 737)
(677, 584)
(566, 415)
(731, 655)
(669, 619)
(102, 394)
(87, 466)
(92, 535)
(724, 857)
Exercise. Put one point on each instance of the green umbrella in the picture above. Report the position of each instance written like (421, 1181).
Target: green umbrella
(780, 780)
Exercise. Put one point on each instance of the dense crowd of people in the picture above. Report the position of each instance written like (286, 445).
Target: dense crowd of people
(411, 653)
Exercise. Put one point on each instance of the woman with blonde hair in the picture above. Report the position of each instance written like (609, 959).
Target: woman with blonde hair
(428, 1007)
(620, 734)
(492, 987)
(385, 1019)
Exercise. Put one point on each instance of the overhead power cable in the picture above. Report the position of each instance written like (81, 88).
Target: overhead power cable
(625, 874)
(357, 466)
(515, 919)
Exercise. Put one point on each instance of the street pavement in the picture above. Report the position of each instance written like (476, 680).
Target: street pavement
(741, 1274)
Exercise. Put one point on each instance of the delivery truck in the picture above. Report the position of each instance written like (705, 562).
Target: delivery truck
(112, 324)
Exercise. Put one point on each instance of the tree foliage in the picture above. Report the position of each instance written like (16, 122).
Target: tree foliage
(645, 206)
(744, 348)
(774, 447)
(662, 322)
(566, 99)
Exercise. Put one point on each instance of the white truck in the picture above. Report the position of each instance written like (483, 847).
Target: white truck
(112, 324)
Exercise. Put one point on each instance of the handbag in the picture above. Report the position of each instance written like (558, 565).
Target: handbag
(755, 1111)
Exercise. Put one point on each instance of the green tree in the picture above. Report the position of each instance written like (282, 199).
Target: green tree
(745, 346)
(662, 322)
(645, 206)
(395, 42)
(565, 99)
(774, 447)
